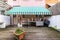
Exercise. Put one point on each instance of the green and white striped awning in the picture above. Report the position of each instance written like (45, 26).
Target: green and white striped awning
(29, 11)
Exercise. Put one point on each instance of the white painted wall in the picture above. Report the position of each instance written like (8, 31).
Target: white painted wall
(26, 2)
(5, 19)
(55, 21)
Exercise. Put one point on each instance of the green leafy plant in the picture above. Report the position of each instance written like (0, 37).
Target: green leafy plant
(18, 31)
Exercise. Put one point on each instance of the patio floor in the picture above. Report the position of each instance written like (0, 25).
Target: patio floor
(31, 33)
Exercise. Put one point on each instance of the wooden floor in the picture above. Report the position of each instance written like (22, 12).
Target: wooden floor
(31, 33)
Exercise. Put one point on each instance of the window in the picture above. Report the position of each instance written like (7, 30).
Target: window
(4, 0)
(14, 0)
(2, 12)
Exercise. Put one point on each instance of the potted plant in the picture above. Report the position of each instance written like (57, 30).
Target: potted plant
(19, 33)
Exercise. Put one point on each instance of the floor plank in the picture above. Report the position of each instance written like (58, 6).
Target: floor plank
(31, 33)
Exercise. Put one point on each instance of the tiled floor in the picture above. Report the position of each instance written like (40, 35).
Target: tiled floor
(31, 33)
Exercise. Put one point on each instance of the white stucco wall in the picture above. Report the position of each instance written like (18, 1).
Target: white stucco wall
(55, 21)
(5, 19)
(26, 2)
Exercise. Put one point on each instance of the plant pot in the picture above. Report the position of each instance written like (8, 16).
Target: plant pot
(19, 36)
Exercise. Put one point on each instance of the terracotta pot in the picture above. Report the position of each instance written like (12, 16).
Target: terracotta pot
(19, 36)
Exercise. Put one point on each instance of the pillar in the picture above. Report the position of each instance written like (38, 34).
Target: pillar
(11, 20)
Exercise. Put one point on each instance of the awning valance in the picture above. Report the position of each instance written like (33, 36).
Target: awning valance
(29, 11)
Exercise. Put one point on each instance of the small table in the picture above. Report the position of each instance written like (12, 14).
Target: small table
(34, 23)
(39, 23)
